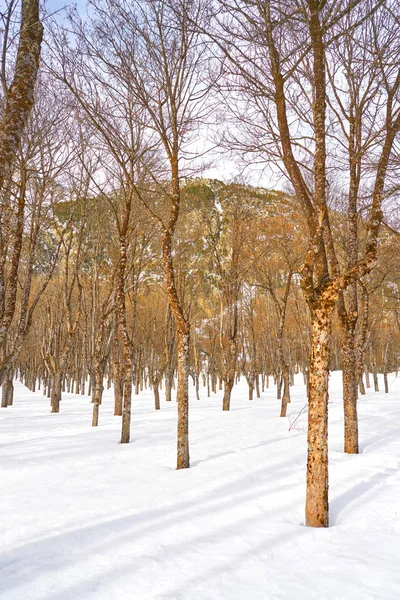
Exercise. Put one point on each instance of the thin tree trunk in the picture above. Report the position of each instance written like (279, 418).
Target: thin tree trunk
(349, 392)
(126, 413)
(367, 381)
(361, 385)
(168, 385)
(156, 395)
(229, 378)
(118, 390)
(97, 395)
(279, 382)
(56, 392)
(183, 459)
(375, 376)
(286, 390)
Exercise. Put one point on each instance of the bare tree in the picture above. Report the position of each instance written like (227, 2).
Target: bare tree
(285, 84)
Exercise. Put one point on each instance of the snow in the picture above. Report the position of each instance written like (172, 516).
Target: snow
(83, 517)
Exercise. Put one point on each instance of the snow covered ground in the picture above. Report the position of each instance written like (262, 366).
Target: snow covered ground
(85, 518)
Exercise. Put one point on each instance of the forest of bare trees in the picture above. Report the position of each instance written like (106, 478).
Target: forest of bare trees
(124, 263)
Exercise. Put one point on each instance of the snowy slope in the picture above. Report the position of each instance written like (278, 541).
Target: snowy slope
(85, 518)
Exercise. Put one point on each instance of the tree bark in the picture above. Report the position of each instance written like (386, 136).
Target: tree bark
(56, 392)
(156, 395)
(20, 96)
(375, 377)
(118, 389)
(98, 394)
(286, 390)
(126, 413)
(349, 392)
(4, 394)
(317, 506)
(229, 375)
(183, 459)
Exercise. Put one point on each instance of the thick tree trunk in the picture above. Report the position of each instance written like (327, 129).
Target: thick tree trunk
(317, 507)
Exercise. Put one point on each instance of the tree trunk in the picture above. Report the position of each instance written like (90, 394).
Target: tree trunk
(317, 507)
(56, 392)
(126, 413)
(279, 382)
(4, 394)
(226, 403)
(97, 395)
(385, 380)
(375, 376)
(156, 396)
(251, 388)
(286, 390)
(169, 377)
(367, 381)
(229, 376)
(183, 460)
(349, 392)
(118, 390)
(10, 395)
